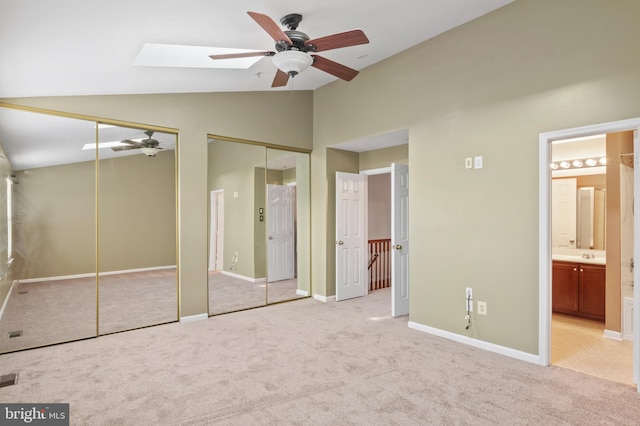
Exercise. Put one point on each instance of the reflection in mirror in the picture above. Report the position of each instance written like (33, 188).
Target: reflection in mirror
(236, 237)
(136, 228)
(287, 225)
(47, 230)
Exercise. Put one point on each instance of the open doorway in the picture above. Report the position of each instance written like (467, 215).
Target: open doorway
(586, 244)
(373, 244)
(572, 312)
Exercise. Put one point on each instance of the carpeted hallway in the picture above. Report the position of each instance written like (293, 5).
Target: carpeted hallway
(306, 362)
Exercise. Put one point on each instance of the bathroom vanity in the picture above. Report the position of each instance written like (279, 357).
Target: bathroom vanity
(579, 288)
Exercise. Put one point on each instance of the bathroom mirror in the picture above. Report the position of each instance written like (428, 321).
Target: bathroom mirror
(137, 280)
(48, 246)
(579, 212)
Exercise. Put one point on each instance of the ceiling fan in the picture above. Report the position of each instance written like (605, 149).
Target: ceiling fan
(149, 146)
(293, 49)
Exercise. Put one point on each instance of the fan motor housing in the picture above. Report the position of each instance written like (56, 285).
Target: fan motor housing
(298, 39)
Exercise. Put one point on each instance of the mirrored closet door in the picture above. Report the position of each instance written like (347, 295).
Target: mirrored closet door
(259, 226)
(237, 278)
(47, 229)
(136, 228)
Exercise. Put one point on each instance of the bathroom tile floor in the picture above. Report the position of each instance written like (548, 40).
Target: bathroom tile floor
(578, 344)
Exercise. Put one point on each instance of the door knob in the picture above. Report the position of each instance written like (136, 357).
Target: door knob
(270, 237)
(571, 240)
(397, 247)
(340, 242)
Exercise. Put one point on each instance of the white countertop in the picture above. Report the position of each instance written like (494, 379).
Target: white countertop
(579, 259)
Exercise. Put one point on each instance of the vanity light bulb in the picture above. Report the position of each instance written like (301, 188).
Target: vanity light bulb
(554, 166)
(577, 163)
(603, 160)
(591, 162)
(565, 164)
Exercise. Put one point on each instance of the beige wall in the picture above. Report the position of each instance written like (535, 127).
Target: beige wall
(384, 157)
(195, 115)
(379, 206)
(489, 88)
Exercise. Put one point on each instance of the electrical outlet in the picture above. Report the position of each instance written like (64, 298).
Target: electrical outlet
(468, 299)
(482, 308)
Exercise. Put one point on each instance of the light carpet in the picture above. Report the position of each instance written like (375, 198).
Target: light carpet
(307, 363)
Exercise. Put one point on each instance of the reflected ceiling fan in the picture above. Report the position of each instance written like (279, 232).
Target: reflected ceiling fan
(149, 146)
(293, 49)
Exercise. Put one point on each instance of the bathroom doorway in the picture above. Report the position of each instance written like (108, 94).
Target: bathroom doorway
(573, 330)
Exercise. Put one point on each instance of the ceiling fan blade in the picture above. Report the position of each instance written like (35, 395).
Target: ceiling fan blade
(242, 55)
(270, 27)
(124, 148)
(336, 41)
(130, 142)
(281, 79)
(334, 68)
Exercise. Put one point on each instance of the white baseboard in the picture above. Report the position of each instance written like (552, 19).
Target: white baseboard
(6, 299)
(302, 292)
(243, 277)
(324, 298)
(491, 347)
(613, 335)
(192, 318)
(93, 274)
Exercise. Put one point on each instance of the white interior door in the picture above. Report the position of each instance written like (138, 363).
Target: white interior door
(399, 240)
(563, 212)
(280, 232)
(217, 230)
(351, 244)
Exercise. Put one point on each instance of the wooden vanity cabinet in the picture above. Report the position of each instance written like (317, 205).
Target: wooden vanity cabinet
(578, 289)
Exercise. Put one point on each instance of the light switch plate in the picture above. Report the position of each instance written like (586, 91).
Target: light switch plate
(468, 163)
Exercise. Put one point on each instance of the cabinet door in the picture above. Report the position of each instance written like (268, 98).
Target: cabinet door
(565, 288)
(592, 291)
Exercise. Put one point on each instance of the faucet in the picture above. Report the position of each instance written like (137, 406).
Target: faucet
(587, 255)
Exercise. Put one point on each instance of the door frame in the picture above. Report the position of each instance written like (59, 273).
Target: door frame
(371, 172)
(544, 317)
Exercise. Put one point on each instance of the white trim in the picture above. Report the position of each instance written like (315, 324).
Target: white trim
(491, 347)
(302, 292)
(93, 274)
(613, 335)
(6, 299)
(544, 239)
(192, 318)
(324, 298)
(380, 171)
(243, 277)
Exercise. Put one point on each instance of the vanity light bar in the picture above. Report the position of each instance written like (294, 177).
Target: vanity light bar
(578, 163)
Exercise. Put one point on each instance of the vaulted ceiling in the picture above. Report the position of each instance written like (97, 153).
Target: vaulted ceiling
(79, 47)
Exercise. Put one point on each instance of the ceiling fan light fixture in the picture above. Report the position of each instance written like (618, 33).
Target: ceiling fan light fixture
(150, 152)
(293, 62)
